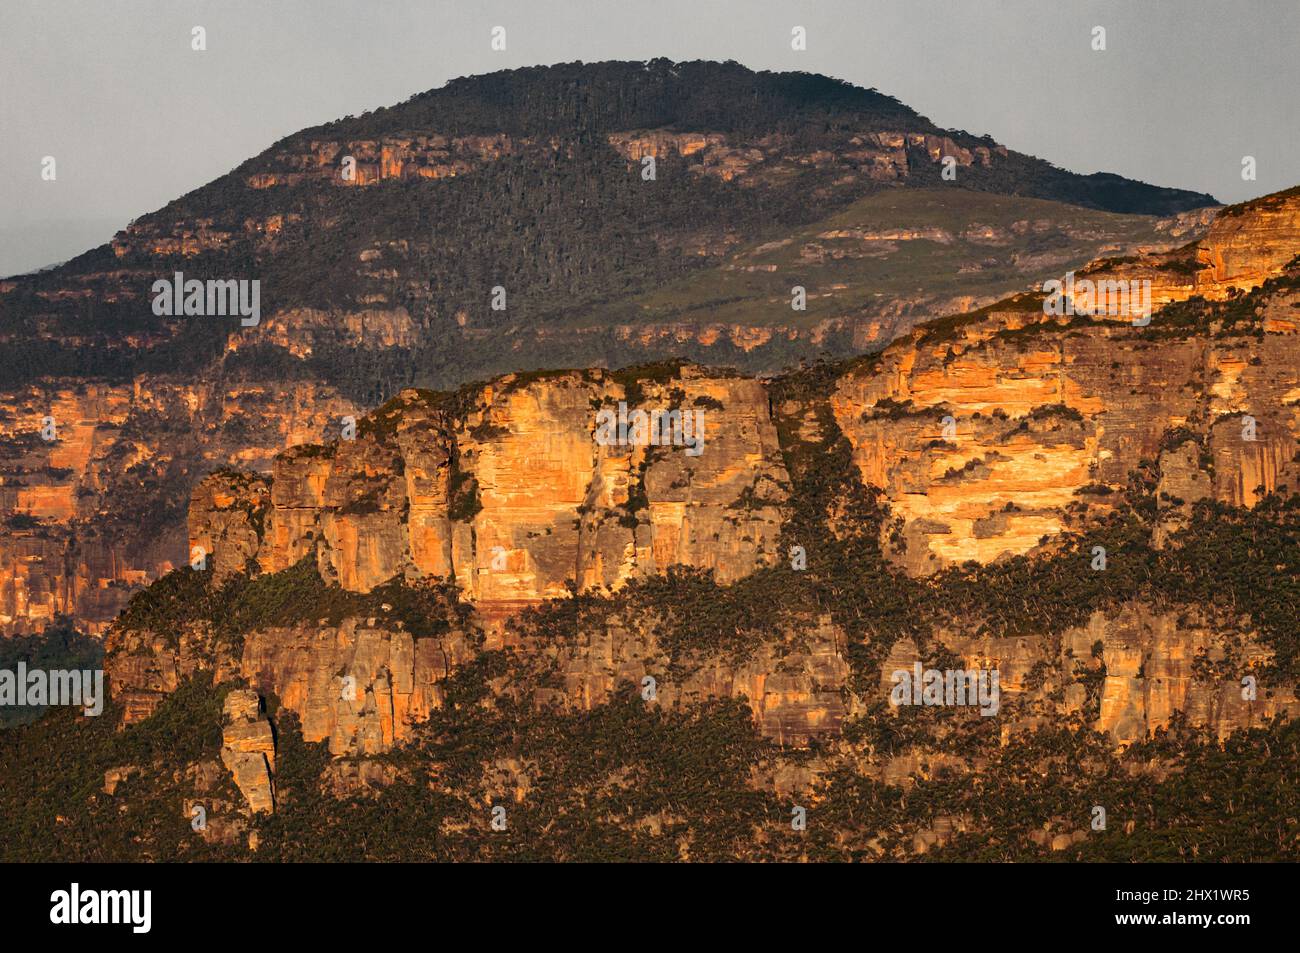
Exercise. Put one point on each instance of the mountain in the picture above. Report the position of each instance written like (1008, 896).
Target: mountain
(528, 181)
(485, 600)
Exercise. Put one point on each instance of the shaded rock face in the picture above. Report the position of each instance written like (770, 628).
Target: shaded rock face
(1182, 483)
(984, 437)
(215, 811)
(880, 156)
(144, 667)
(1145, 664)
(305, 331)
(99, 510)
(513, 496)
(361, 687)
(236, 504)
(356, 686)
(795, 684)
(429, 156)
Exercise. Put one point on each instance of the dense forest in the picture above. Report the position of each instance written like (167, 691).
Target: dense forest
(627, 781)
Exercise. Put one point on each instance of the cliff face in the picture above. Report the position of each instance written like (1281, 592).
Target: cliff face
(880, 156)
(987, 435)
(362, 685)
(507, 490)
(1126, 672)
(396, 157)
(357, 686)
(1242, 248)
(1251, 242)
(360, 232)
(99, 509)
(512, 495)
(795, 681)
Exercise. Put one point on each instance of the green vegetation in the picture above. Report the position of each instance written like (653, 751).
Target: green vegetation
(1218, 802)
(849, 271)
(297, 595)
(54, 806)
(627, 781)
(465, 502)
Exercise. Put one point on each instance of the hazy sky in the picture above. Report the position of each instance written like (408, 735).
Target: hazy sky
(134, 117)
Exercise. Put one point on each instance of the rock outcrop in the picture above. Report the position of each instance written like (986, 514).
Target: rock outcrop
(513, 496)
(98, 509)
(795, 684)
(1126, 672)
(986, 434)
(359, 687)
(143, 667)
(248, 749)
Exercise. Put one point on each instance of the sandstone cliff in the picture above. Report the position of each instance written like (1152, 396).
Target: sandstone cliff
(1126, 672)
(510, 494)
(98, 510)
(986, 434)
(248, 749)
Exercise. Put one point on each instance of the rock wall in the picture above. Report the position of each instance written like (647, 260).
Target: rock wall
(357, 686)
(361, 685)
(795, 683)
(1030, 426)
(1146, 663)
(512, 495)
(248, 749)
(879, 156)
(100, 509)
(984, 437)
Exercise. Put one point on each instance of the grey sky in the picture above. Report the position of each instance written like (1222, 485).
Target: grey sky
(134, 117)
